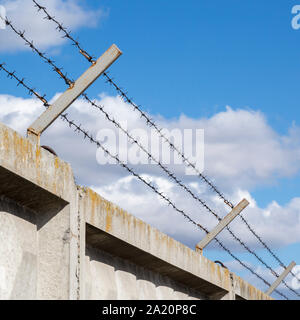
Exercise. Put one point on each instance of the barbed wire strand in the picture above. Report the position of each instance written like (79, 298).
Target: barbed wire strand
(87, 135)
(90, 58)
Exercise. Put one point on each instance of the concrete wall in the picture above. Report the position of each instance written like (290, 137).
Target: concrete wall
(110, 277)
(62, 241)
(18, 251)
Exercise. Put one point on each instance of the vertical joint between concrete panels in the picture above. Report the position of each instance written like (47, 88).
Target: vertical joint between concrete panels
(78, 253)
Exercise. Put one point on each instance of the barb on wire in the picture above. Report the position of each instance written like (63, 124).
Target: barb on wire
(63, 29)
(40, 53)
(21, 82)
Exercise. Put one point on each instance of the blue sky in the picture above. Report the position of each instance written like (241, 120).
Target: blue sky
(192, 58)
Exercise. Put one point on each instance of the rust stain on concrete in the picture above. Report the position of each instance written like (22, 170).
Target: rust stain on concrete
(56, 163)
(6, 141)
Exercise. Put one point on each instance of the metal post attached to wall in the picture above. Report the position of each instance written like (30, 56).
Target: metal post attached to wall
(222, 224)
(71, 94)
(280, 278)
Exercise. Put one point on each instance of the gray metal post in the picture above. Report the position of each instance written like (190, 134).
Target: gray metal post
(72, 93)
(222, 224)
(280, 278)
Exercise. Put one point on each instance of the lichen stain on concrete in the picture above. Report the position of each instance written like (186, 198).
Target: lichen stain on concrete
(242, 287)
(20, 147)
(125, 219)
(94, 198)
(109, 212)
(226, 279)
(38, 163)
(60, 168)
(250, 292)
(141, 226)
(219, 272)
(56, 163)
(157, 237)
(212, 268)
(108, 222)
(6, 141)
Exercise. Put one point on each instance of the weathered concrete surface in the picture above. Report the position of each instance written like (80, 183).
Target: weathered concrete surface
(111, 229)
(18, 251)
(35, 179)
(110, 277)
(60, 241)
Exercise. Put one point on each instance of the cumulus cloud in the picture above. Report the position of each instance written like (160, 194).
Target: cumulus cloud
(242, 147)
(24, 16)
(17, 112)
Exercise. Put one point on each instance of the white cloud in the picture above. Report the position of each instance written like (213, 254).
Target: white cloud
(18, 112)
(241, 148)
(24, 16)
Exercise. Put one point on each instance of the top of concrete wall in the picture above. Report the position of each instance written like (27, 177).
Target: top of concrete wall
(32, 166)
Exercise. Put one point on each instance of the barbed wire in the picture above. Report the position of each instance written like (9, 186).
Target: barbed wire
(171, 175)
(67, 34)
(169, 202)
(40, 53)
(21, 82)
(90, 58)
(124, 96)
(149, 155)
(87, 135)
(150, 122)
(70, 82)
